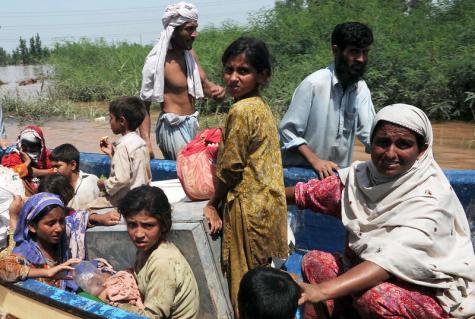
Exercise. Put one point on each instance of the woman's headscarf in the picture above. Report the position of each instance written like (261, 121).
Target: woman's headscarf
(34, 134)
(25, 245)
(175, 15)
(413, 224)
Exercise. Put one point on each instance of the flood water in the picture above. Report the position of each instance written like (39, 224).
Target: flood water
(12, 75)
(454, 145)
(454, 142)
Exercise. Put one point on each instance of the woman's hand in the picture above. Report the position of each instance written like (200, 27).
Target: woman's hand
(108, 219)
(25, 158)
(61, 271)
(215, 222)
(14, 210)
(310, 293)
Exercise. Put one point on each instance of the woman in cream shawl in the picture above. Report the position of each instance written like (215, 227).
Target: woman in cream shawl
(409, 251)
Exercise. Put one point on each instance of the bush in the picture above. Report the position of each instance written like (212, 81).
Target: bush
(422, 55)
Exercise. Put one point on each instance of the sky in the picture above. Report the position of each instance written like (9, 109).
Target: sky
(136, 21)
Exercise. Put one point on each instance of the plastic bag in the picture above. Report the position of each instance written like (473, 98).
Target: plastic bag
(89, 277)
(196, 164)
(10, 184)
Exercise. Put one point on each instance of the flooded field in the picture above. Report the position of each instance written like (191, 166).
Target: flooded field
(454, 145)
(35, 75)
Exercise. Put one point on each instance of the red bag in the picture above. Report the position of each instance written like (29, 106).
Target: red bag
(196, 164)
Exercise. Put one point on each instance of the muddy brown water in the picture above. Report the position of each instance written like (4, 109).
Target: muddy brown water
(454, 142)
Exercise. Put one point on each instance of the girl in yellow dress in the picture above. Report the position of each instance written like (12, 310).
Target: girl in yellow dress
(249, 169)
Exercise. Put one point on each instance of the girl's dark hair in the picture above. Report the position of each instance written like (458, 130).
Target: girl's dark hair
(254, 50)
(34, 222)
(152, 200)
(57, 184)
(419, 138)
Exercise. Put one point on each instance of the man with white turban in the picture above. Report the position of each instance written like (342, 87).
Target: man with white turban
(172, 76)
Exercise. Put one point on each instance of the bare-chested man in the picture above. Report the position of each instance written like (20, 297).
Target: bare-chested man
(173, 76)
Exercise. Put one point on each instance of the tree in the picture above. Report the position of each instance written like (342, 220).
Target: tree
(4, 58)
(38, 48)
(23, 50)
(15, 56)
(32, 54)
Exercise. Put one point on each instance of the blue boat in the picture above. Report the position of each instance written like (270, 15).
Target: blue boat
(189, 233)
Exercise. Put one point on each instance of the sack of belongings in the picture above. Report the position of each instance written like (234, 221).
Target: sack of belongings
(196, 164)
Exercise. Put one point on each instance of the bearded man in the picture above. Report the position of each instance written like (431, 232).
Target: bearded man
(331, 106)
(173, 76)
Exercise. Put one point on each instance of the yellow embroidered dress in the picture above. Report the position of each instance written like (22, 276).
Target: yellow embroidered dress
(255, 210)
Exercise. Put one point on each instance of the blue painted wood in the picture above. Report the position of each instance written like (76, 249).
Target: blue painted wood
(312, 230)
(463, 181)
(99, 165)
(74, 301)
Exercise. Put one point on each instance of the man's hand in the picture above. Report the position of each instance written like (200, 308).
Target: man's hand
(217, 92)
(215, 222)
(321, 167)
(324, 168)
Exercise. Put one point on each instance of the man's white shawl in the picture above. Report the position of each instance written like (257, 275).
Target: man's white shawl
(412, 225)
(153, 81)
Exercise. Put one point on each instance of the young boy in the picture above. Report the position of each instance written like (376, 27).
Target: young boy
(130, 166)
(266, 293)
(65, 160)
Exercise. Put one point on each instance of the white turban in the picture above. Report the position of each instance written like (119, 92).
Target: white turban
(153, 72)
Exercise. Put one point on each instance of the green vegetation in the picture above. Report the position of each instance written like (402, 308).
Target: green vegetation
(46, 107)
(24, 54)
(91, 71)
(422, 55)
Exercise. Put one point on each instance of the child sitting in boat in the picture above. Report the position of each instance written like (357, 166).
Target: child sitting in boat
(29, 158)
(36, 239)
(130, 166)
(59, 185)
(164, 277)
(266, 293)
(38, 246)
(65, 160)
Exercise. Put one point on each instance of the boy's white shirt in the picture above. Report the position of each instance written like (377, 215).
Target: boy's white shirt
(130, 167)
(85, 191)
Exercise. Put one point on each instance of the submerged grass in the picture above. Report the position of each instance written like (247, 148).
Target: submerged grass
(46, 108)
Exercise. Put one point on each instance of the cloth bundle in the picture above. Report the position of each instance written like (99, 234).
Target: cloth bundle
(196, 164)
(122, 287)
